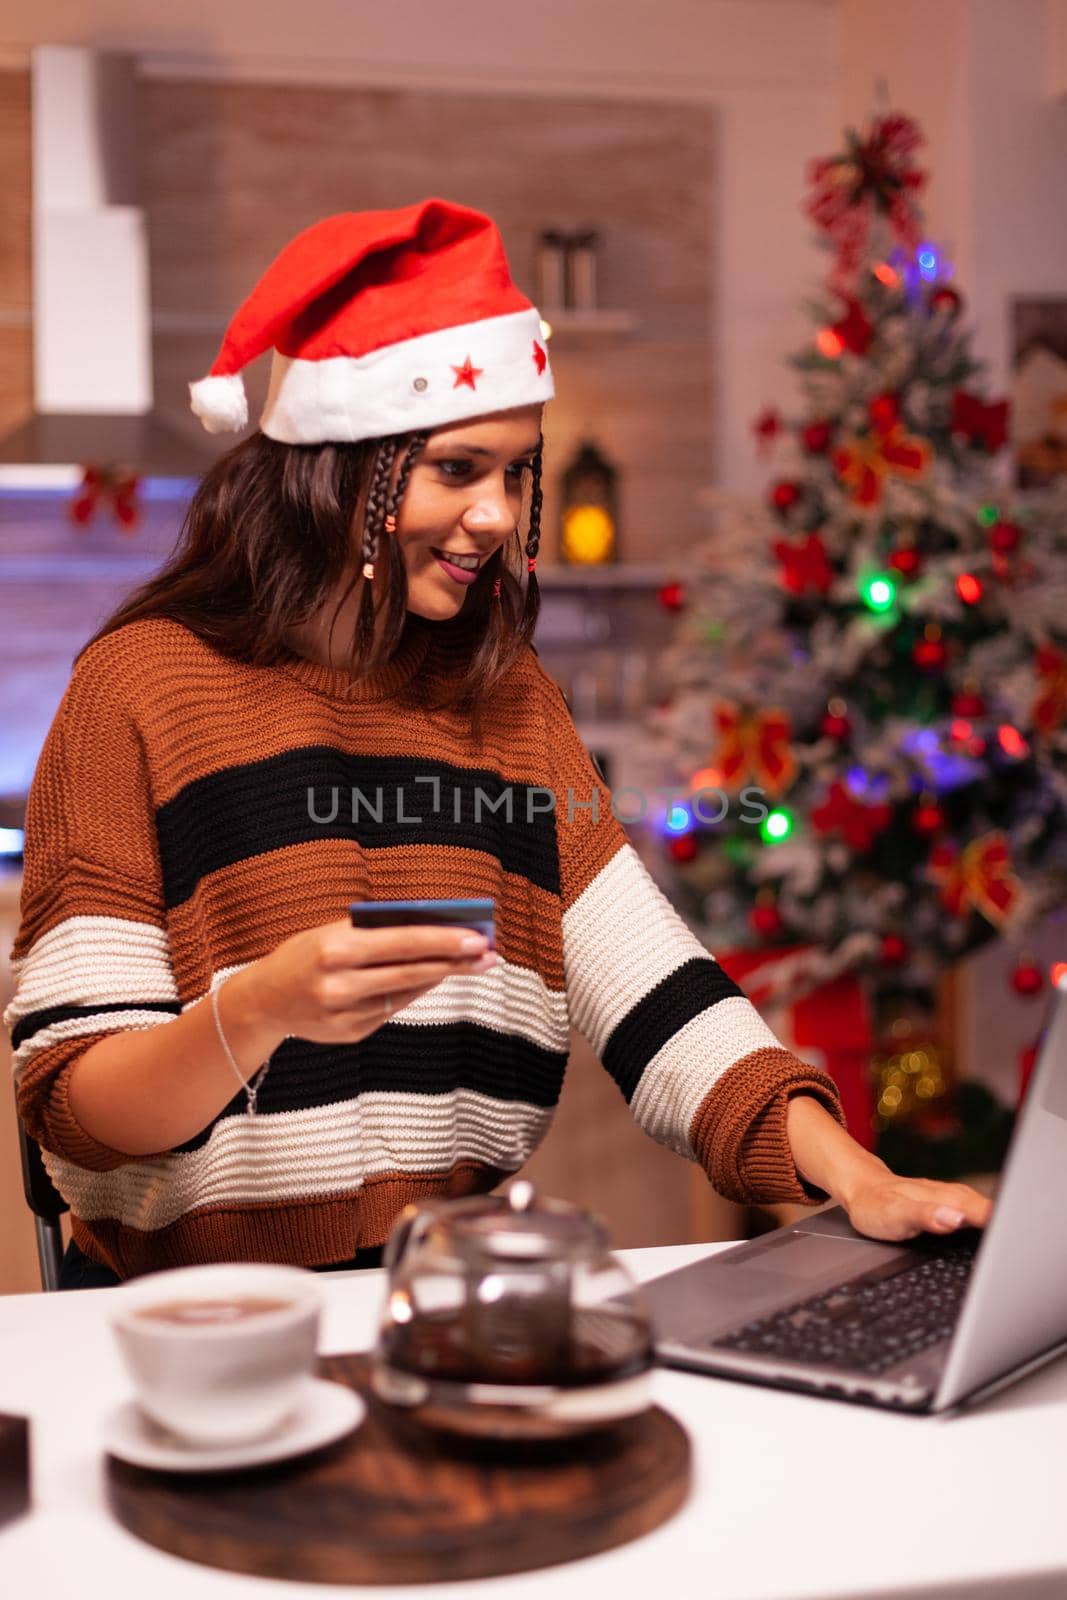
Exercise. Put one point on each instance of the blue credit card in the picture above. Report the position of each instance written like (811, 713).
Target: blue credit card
(477, 914)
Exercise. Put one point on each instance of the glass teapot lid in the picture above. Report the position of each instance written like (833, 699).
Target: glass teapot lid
(520, 1226)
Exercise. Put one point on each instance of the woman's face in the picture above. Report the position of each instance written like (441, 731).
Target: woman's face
(463, 498)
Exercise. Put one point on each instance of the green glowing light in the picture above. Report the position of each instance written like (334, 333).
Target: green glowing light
(776, 826)
(878, 592)
(988, 515)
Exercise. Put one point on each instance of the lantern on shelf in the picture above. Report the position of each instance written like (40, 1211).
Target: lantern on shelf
(589, 526)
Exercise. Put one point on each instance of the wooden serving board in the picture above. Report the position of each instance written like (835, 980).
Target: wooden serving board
(393, 1503)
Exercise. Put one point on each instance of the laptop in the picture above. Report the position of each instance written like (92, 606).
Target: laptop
(930, 1325)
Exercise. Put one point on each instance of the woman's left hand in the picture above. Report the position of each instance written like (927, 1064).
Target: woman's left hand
(884, 1206)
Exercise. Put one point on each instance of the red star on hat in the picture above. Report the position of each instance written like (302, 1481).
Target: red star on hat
(466, 374)
(540, 358)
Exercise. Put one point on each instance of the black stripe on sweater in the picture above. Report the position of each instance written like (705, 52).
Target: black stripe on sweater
(692, 988)
(425, 1059)
(248, 810)
(34, 1021)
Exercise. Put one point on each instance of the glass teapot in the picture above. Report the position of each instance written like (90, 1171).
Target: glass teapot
(507, 1316)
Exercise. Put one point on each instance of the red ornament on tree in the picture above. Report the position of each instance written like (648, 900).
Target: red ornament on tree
(1027, 979)
(929, 653)
(884, 412)
(895, 950)
(683, 847)
(1004, 538)
(835, 724)
(671, 597)
(784, 496)
(928, 817)
(907, 561)
(968, 702)
(946, 299)
(767, 427)
(816, 437)
(766, 919)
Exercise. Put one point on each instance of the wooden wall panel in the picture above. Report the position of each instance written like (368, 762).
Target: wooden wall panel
(16, 353)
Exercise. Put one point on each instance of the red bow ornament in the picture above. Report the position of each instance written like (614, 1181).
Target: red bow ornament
(805, 565)
(103, 486)
(865, 461)
(1050, 706)
(858, 824)
(758, 745)
(979, 424)
(979, 875)
(873, 176)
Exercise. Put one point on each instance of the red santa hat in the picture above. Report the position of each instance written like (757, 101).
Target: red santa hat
(381, 322)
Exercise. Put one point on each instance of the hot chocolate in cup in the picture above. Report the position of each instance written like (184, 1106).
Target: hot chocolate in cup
(220, 1354)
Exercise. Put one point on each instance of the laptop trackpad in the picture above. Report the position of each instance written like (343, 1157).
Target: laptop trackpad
(813, 1255)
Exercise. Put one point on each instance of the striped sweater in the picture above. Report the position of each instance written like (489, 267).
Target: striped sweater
(190, 811)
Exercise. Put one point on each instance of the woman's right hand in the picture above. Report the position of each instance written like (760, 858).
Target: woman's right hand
(329, 983)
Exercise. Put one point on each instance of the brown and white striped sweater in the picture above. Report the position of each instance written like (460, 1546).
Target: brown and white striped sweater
(189, 812)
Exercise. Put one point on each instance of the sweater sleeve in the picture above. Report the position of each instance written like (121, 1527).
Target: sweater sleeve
(698, 1066)
(91, 955)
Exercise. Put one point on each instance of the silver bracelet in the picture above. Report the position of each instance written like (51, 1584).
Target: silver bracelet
(249, 1085)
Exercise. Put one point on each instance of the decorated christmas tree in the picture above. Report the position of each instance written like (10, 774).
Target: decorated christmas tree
(872, 665)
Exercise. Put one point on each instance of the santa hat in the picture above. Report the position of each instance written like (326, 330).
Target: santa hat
(381, 322)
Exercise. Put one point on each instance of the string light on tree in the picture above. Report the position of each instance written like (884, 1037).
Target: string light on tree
(776, 826)
(878, 591)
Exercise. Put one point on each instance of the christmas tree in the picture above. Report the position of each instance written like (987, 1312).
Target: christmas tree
(872, 666)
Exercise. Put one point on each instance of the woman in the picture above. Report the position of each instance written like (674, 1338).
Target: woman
(329, 694)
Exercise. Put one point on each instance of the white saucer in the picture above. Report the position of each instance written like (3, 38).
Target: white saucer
(326, 1412)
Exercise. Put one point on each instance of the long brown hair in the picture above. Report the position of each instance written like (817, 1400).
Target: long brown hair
(271, 533)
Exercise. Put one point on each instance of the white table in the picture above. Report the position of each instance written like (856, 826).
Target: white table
(792, 1496)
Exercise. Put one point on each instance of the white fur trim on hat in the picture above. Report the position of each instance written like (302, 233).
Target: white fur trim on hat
(410, 385)
(220, 403)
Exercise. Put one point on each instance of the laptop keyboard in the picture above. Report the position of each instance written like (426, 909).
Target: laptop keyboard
(871, 1322)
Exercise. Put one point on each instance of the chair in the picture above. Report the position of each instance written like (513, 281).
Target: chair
(47, 1205)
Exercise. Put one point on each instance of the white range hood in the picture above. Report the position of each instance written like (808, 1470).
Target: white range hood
(92, 350)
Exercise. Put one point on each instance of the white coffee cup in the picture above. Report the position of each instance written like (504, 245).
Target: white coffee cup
(220, 1382)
